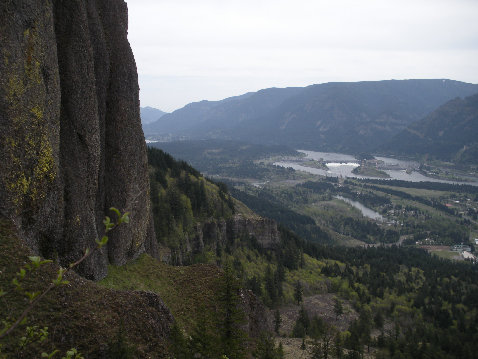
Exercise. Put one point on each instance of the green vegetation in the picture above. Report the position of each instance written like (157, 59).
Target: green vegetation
(188, 291)
(395, 302)
(370, 172)
(405, 288)
(203, 300)
(315, 164)
(230, 159)
(448, 134)
(181, 197)
(408, 303)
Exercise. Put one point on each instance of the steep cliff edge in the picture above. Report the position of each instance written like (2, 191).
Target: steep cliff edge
(216, 235)
(71, 143)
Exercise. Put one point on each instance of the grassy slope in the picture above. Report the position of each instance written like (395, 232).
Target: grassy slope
(81, 314)
(188, 291)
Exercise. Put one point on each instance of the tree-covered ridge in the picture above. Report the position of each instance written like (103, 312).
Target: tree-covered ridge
(347, 116)
(181, 197)
(399, 302)
(409, 303)
(226, 158)
(449, 133)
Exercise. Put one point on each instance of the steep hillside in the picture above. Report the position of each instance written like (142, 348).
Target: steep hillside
(348, 117)
(71, 143)
(194, 217)
(449, 133)
(150, 114)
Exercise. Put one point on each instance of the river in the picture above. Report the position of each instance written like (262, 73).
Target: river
(367, 212)
(341, 165)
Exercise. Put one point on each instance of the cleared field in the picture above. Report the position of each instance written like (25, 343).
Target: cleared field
(447, 254)
(427, 193)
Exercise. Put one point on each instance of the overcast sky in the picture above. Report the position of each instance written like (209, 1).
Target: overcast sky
(191, 50)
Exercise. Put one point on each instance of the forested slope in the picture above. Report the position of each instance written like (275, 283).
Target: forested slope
(449, 133)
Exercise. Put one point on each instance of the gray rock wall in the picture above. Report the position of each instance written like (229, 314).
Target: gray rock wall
(71, 143)
(211, 234)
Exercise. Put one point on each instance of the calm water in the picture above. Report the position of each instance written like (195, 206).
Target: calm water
(340, 164)
(367, 212)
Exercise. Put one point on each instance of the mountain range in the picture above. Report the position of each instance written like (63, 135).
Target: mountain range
(150, 114)
(347, 117)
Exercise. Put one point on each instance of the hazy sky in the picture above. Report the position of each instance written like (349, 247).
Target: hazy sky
(190, 50)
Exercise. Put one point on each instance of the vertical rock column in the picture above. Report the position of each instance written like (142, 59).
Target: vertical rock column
(30, 180)
(80, 145)
(126, 167)
(70, 133)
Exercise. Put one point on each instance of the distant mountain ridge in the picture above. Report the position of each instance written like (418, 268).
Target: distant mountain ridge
(211, 119)
(150, 114)
(348, 116)
(448, 133)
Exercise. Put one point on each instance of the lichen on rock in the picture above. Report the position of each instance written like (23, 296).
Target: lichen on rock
(70, 134)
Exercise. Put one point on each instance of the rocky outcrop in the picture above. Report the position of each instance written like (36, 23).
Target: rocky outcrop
(214, 234)
(82, 314)
(71, 143)
(264, 230)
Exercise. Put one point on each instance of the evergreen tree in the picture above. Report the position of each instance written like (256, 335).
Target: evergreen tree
(338, 347)
(179, 346)
(302, 324)
(266, 349)
(378, 320)
(280, 351)
(277, 321)
(271, 285)
(204, 342)
(302, 346)
(298, 291)
(231, 317)
(338, 308)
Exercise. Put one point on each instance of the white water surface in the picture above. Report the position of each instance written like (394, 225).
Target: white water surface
(341, 165)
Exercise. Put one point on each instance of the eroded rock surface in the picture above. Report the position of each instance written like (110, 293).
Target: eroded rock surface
(71, 143)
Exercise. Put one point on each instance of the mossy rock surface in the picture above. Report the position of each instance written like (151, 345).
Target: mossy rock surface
(71, 142)
(81, 314)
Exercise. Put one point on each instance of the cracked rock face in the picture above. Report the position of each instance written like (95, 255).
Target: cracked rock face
(212, 234)
(71, 143)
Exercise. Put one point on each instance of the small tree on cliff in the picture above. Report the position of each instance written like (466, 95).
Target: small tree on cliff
(298, 291)
(231, 317)
(338, 308)
(277, 321)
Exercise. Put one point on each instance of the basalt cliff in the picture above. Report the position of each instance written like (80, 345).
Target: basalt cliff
(71, 143)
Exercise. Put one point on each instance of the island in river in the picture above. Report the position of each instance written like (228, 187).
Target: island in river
(370, 172)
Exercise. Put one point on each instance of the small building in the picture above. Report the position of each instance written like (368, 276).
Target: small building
(460, 248)
(476, 241)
